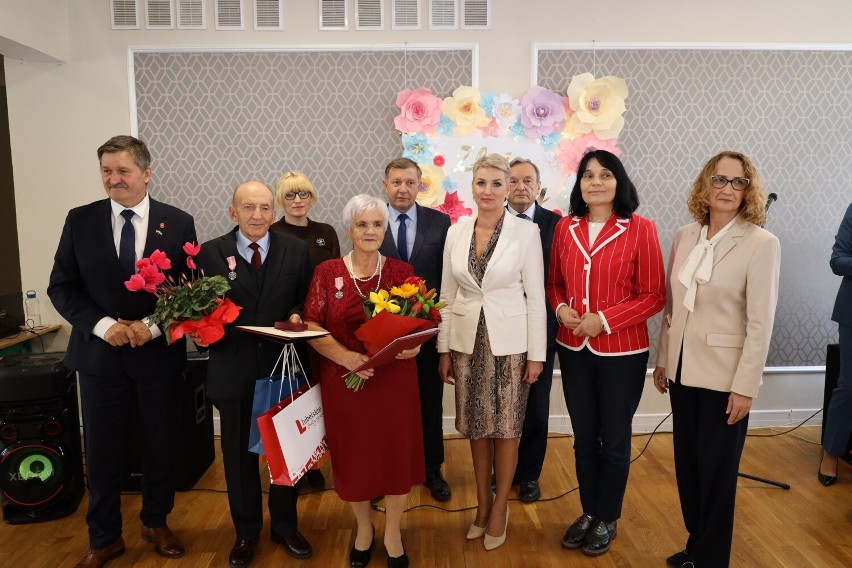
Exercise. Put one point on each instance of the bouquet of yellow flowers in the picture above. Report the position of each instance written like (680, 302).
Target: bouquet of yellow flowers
(394, 313)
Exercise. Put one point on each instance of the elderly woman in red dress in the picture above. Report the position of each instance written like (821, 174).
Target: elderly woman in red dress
(374, 434)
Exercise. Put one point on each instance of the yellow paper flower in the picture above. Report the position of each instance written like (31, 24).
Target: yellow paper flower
(382, 302)
(464, 110)
(404, 290)
(431, 193)
(598, 105)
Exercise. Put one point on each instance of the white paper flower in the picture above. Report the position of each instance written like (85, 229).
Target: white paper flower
(598, 105)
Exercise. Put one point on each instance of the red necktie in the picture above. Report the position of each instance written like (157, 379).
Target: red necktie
(255, 256)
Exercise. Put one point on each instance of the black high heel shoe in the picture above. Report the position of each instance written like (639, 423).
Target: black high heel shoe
(398, 561)
(826, 480)
(360, 558)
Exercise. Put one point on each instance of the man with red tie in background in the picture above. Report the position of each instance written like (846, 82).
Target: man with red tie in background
(117, 354)
(524, 188)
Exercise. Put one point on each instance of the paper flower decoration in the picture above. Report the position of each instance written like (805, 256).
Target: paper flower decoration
(416, 147)
(464, 110)
(542, 112)
(420, 111)
(572, 151)
(506, 110)
(454, 207)
(431, 194)
(598, 105)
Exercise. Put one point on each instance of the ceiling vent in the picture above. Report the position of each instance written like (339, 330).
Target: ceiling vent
(268, 15)
(333, 15)
(443, 15)
(124, 14)
(476, 14)
(191, 15)
(229, 15)
(406, 14)
(369, 15)
(159, 15)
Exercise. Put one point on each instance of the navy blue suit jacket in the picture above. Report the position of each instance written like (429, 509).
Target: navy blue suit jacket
(427, 254)
(841, 264)
(87, 284)
(546, 221)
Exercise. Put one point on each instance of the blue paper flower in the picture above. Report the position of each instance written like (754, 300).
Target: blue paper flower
(517, 129)
(416, 147)
(446, 126)
(487, 102)
(550, 141)
(449, 185)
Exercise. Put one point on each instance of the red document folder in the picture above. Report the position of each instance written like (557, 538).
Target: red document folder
(389, 353)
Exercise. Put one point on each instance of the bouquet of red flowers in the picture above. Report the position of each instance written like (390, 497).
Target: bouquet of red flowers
(186, 305)
(394, 313)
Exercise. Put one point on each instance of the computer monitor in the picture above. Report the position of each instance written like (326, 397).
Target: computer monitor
(11, 314)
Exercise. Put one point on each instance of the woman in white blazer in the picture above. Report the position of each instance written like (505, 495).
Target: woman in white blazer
(493, 336)
(722, 290)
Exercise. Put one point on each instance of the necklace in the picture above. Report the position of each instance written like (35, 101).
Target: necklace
(355, 279)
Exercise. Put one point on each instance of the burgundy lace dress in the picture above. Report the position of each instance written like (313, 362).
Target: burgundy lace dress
(374, 435)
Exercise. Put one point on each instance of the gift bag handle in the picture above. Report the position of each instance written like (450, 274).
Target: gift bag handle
(292, 364)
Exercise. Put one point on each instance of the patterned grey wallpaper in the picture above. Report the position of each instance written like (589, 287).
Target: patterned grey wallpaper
(215, 119)
(790, 111)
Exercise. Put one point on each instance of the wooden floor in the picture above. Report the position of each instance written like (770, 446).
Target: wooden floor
(807, 526)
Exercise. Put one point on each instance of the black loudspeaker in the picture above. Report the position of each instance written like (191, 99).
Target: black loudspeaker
(192, 448)
(41, 463)
(832, 375)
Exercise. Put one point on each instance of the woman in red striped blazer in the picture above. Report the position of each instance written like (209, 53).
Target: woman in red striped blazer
(606, 279)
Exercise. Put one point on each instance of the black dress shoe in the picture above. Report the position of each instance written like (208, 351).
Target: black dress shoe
(826, 480)
(677, 559)
(438, 486)
(295, 545)
(576, 533)
(243, 552)
(599, 538)
(530, 492)
(360, 558)
(315, 478)
(398, 561)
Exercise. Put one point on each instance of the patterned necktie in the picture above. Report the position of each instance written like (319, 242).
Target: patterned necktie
(522, 216)
(402, 238)
(255, 256)
(127, 245)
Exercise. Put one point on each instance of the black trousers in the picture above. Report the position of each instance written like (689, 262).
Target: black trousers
(106, 405)
(242, 477)
(707, 456)
(602, 395)
(838, 426)
(533, 444)
(431, 405)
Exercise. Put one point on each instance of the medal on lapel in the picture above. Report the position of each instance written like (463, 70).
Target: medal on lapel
(162, 228)
(320, 242)
(232, 265)
(338, 283)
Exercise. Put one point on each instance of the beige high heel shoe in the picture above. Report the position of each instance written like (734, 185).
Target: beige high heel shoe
(475, 532)
(492, 542)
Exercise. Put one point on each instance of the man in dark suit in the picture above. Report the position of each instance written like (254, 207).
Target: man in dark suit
(269, 273)
(118, 356)
(418, 235)
(524, 188)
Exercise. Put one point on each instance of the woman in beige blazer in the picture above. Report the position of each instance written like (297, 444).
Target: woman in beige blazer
(493, 336)
(722, 290)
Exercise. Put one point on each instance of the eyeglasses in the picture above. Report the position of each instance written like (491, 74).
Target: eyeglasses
(739, 184)
(291, 195)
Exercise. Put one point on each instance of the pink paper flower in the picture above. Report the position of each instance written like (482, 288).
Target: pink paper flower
(454, 207)
(439, 161)
(420, 111)
(542, 112)
(572, 151)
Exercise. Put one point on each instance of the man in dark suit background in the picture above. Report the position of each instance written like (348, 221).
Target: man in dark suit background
(112, 347)
(417, 237)
(269, 273)
(524, 188)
